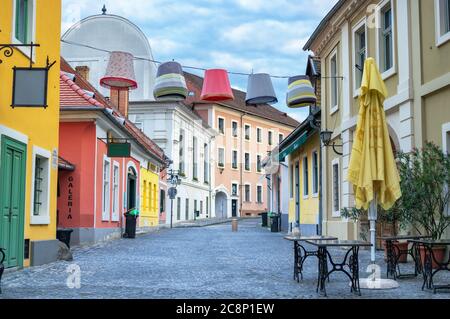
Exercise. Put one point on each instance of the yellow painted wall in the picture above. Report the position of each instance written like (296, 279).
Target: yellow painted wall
(309, 205)
(40, 125)
(149, 215)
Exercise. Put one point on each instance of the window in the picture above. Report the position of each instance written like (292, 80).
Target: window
(247, 132)
(162, 201)
(270, 138)
(359, 38)
(234, 189)
(206, 163)
(247, 161)
(24, 21)
(259, 194)
(221, 125)
(333, 83)
(178, 208)
(181, 152)
(40, 192)
(201, 207)
(291, 181)
(155, 200)
(336, 188)
(280, 138)
(305, 177)
(207, 207)
(234, 126)
(195, 208)
(186, 209)
(221, 157)
(194, 159)
(247, 197)
(106, 189)
(442, 11)
(258, 163)
(386, 38)
(446, 149)
(115, 201)
(234, 161)
(315, 172)
(259, 135)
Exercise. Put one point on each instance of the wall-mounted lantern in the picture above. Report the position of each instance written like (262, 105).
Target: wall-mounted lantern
(325, 137)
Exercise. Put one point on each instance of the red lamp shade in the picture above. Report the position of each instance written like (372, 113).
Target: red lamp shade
(216, 86)
(120, 72)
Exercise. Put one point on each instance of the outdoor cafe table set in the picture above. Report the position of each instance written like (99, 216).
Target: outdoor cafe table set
(350, 263)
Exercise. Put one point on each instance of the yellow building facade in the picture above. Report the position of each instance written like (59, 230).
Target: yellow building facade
(302, 151)
(410, 41)
(149, 214)
(29, 135)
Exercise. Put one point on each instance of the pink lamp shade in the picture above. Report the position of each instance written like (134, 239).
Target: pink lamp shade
(216, 86)
(120, 72)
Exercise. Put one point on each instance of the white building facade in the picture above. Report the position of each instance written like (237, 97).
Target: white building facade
(188, 142)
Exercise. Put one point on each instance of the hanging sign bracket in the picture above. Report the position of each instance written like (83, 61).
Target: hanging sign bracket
(8, 50)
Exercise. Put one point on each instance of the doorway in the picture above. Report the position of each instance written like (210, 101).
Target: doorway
(221, 205)
(12, 200)
(234, 204)
(132, 181)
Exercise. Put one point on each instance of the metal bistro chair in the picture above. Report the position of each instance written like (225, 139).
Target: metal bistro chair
(2, 267)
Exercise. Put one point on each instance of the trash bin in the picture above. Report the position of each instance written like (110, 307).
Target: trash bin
(130, 223)
(63, 235)
(275, 223)
(264, 217)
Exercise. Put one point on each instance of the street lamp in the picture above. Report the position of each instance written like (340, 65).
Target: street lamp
(325, 136)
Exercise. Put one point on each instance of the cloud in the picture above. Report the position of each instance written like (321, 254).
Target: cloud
(239, 35)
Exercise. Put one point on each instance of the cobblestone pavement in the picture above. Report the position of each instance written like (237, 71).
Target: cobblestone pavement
(209, 262)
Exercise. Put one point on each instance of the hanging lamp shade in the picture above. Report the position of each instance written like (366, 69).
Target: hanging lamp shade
(120, 72)
(300, 92)
(170, 82)
(216, 86)
(260, 90)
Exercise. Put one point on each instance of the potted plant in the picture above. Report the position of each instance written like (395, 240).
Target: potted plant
(424, 180)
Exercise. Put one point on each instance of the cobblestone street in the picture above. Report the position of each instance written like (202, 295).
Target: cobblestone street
(208, 262)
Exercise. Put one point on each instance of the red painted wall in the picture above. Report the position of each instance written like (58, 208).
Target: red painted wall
(77, 205)
(101, 152)
(76, 189)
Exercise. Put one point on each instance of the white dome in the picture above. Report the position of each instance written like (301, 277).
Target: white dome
(110, 33)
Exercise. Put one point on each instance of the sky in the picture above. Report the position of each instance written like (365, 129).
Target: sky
(246, 36)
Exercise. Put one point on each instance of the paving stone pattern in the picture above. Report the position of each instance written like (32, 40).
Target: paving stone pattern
(199, 262)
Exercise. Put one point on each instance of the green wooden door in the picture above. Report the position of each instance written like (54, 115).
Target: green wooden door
(12, 200)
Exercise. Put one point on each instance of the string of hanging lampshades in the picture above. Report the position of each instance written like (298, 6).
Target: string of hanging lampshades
(171, 84)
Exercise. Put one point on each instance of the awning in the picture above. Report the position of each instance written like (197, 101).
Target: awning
(299, 142)
(65, 165)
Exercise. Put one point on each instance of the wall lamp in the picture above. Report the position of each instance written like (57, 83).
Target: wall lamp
(325, 136)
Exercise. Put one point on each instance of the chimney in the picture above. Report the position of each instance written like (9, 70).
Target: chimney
(120, 98)
(83, 70)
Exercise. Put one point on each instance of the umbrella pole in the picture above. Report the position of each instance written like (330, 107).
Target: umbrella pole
(373, 216)
(374, 282)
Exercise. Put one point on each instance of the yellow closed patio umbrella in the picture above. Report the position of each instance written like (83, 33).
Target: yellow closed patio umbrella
(372, 170)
